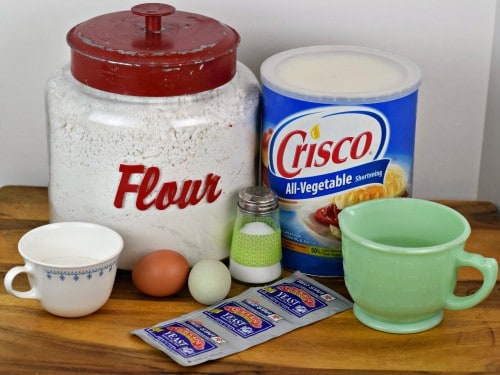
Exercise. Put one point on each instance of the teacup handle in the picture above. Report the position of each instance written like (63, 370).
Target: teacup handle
(488, 268)
(9, 278)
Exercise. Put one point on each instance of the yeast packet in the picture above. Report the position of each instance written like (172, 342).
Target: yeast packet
(257, 315)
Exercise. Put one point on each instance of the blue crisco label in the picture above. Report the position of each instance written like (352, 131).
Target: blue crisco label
(327, 150)
(320, 158)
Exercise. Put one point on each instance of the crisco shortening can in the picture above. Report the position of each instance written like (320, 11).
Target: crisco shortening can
(338, 129)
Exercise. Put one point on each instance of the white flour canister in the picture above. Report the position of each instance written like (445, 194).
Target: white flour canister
(153, 130)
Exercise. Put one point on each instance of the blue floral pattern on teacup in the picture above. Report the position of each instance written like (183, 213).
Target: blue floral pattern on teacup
(78, 275)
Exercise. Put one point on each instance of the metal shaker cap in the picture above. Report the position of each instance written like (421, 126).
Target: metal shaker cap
(258, 199)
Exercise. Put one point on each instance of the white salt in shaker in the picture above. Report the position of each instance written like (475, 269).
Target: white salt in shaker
(256, 243)
(153, 130)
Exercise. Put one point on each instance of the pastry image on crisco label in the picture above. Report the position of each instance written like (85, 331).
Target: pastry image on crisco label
(394, 185)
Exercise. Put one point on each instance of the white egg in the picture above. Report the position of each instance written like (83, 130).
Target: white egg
(209, 281)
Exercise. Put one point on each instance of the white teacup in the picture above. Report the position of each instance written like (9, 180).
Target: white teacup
(71, 267)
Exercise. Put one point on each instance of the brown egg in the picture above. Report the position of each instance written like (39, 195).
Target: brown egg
(160, 273)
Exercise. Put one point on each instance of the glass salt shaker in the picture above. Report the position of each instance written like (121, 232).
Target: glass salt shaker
(255, 255)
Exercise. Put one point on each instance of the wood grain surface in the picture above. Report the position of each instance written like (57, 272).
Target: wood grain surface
(34, 342)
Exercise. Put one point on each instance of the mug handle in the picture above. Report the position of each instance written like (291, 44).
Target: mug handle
(9, 278)
(488, 268)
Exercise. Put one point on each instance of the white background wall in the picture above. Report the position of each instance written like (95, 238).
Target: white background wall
(452, 41)
(489, 178)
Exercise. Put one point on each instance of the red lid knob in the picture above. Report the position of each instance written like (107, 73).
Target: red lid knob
(153, 50)
(153, 13)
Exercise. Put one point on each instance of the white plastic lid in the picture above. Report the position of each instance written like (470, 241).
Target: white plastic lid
(337, 74)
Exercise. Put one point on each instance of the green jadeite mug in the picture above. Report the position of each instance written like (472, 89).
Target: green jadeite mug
(401, 258)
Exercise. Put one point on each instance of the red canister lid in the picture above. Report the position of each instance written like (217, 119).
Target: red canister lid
(153, 50)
